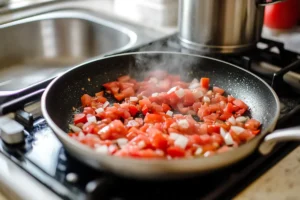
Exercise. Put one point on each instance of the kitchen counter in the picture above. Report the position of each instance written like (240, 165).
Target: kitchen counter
(281, 182)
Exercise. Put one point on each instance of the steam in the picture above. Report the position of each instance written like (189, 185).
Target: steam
(174, 63)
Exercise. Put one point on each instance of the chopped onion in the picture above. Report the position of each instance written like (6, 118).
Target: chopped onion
(153, 80)
(197, 93)
(237, 129)
(154, 94)
(99, 110)
(112, 148)
(173, 89)
(134, 99)
(198, 151)
(105, 104)
(206, 99)
(241, 119)
(132, 123)
(231, 120)
(81, 135)
(195, 80)
(181, 141)
(141, 144)
(222, 132)
(228, 139)
(194, 85)
(103, 130)
(180, 93)
(209, 92)
(183, 123)
(74, 128)
(103, 149)
(174, 136)
(170, 113)
(159, 152)
(222, 103)
(92, 119)
(122, 141)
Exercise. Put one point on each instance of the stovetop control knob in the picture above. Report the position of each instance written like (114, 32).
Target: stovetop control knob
(11, 131)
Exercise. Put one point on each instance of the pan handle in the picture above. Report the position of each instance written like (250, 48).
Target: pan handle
(280, 135)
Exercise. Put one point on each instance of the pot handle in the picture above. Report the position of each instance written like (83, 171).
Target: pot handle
(267, 2)
(279, 135)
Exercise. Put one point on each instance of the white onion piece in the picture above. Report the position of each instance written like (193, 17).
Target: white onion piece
(222, 132)
(183, 123)
(155, 94)
(209, 92)
(92, 119)
(99, 110)
(122, 141)
(222, 103)
(170, 113)
(195, 80)
(105, 104)
(197, 93)
(103, 149)
(159, 152)
(103, 130)
(206, 99)
(112, 148)
(132, 123)
(231, 120)
(228, 139)
(194, 85)
(173, 89)
(74, 128)
(198, 151)
(153, 80)
(81, 135)
(141, 144)
(174, 136)
(180, 93)
(181, 141)
(241, 119)
(133, 99)
(237, 129)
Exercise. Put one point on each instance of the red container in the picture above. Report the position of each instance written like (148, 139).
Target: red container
(283, 15)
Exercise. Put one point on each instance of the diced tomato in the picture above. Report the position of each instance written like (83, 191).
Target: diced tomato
(86, 100)
(240, 103)
(252, 124)
(150, 136)
(79, 118)
(153, 118)
(133, 110)
(165, 107)
(204, 82)
(218, 90)
(176, 151)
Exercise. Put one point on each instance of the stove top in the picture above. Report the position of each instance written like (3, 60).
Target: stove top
(43, 157)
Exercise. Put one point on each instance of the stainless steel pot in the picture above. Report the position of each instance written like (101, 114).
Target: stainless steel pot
(221, 26)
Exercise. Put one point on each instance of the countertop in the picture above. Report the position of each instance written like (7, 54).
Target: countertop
(281, 182)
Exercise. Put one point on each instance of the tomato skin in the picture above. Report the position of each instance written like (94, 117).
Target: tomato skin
(80, 118)
(175, 151)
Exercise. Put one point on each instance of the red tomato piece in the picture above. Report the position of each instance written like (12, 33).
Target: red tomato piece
(165, 107)
(252, 124)
(153, 118)
(86, 100)
(79, 118)
(240, 103)
(124, 78)
(88, 110)
(218, 90)
(204, 82)
(176, 152)
(133, 110)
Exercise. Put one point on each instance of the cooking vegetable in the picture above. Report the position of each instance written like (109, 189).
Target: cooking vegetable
(155, 118)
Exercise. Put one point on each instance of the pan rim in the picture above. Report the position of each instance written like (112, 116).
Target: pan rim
(63, 135)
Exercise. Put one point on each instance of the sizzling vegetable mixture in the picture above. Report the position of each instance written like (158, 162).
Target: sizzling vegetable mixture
(162, 117)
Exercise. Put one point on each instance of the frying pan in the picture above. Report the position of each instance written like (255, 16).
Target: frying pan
(64, 93)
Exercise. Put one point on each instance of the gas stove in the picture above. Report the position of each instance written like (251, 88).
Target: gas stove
(43, 157)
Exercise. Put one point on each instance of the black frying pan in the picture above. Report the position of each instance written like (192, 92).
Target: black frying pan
(65, 91)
